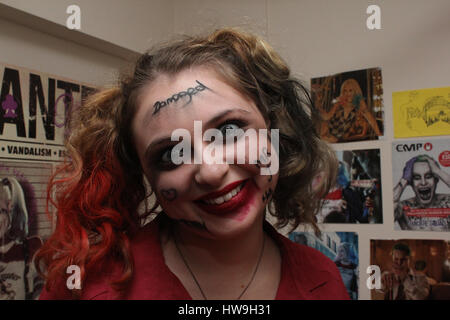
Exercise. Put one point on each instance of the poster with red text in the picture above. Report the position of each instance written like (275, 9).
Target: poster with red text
(421, 173)
(356, 196)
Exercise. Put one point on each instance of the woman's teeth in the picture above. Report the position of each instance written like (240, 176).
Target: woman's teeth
(225, 197)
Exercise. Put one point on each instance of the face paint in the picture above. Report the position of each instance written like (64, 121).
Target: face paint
(169, 194)
(267, 194)
(201, 199)
(174, 98)
(264, 159)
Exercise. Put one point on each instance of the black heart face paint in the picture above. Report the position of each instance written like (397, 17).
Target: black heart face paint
(169, 194)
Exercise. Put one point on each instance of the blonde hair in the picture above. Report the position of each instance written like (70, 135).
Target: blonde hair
(352, 83)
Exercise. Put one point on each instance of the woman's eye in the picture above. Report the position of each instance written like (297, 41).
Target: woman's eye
(228, 128)
(164, 160)
(166, 155)
(232, 128)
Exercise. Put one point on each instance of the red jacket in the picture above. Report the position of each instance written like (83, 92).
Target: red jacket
(305, 273)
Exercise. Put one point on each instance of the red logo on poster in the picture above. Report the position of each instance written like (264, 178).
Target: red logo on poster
(444, 158)
(428, 146)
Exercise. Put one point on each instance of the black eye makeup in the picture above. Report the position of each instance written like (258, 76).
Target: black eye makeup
(231, 130)
(161, 159)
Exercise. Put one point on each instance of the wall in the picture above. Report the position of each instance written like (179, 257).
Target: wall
(39, 51)
(132, 24)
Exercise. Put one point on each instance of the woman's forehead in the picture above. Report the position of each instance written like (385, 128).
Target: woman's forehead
(193, 94)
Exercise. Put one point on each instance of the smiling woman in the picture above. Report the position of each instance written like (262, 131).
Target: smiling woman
(210, 240)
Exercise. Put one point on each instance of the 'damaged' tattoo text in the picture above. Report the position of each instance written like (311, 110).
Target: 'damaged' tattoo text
(174, 98)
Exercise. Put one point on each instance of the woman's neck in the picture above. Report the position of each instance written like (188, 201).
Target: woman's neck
(238, 252)
(244, 266)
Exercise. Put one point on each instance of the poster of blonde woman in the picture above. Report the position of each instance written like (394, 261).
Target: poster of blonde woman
(23, 227)
(350, 105)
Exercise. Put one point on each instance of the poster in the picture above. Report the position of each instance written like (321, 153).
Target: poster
(420, 113)
(342, 248)
(350, 105)
(33, 117)
(411, 269)
(421, 173)
(356, 197)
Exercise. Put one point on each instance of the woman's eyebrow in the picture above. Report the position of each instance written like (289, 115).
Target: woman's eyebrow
(225, 113)
(210, 122)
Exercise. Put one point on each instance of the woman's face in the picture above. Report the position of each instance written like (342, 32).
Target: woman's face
(348, 92)
(215, 200)
(342, 253)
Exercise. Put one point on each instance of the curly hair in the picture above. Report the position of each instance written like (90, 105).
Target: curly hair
(103, 183)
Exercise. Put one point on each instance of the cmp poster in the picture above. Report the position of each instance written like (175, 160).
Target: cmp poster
(350, 105)
(421, 173)
(33, 116)
(420, 113)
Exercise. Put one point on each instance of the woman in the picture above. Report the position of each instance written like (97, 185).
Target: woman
(18, 278)
(349, 118)
(210, 241)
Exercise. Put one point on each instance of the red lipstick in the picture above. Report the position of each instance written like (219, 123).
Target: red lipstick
(237, 206)
(221, 192)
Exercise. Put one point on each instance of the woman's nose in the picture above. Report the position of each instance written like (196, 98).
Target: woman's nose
(211, 174)
(211, 171)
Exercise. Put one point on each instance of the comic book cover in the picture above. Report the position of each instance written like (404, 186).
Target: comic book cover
(342, 248)
(356, 197)
(421, 192)
(33, 116)
(411, 269)
(350, 105)
(420, 113)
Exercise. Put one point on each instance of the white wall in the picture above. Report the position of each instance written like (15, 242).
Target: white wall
(23, 47)
(200, 16)
(133, 24)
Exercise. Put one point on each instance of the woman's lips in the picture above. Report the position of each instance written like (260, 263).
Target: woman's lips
(236, 204)
(222, 192)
